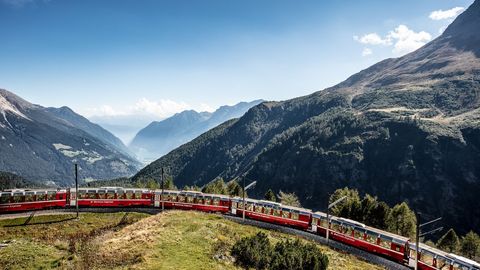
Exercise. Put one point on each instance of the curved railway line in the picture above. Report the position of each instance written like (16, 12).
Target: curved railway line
(264, 225)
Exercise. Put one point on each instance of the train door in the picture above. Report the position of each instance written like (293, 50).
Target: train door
(73, 201)
(234, 207)
(314, 224)
(157, 199)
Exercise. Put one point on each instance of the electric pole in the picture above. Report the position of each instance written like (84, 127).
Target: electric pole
(76, 187)
(163, 187)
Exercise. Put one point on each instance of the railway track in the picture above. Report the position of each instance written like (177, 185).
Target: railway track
(310, 236)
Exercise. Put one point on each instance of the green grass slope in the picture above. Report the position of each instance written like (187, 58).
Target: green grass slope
(171, 240)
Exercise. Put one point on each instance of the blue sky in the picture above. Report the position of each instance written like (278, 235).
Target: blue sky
(120, 58)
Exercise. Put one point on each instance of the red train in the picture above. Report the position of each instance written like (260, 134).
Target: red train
(350, 232)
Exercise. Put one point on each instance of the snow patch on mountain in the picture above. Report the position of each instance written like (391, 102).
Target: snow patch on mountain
(59, 146)
(6, 106)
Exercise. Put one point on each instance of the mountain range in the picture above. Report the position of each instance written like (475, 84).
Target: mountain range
(159, 138)
(404, 129)
(42, 144)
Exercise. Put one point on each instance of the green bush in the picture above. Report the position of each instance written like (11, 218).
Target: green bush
(257, 252)
(294, 255)
(253, 252)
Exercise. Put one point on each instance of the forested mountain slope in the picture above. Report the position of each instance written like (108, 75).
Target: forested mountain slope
(404, 129)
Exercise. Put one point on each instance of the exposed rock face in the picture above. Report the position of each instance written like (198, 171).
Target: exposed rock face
(42, 144)
(405, 129)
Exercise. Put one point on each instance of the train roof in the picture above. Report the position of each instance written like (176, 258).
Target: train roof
(448, 256)
(299, 209)
(17, 191)
(106, 189)
(464, 260)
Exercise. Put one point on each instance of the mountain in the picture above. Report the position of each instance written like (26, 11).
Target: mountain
(42, 144)
(159, 138)
(95, 130)
(404, 129)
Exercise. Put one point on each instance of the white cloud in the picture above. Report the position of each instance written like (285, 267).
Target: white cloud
(366, 51)
(407, 40)
(372, 39)
(205, 108)
(446, 14)
(159, 109)
(403, 39)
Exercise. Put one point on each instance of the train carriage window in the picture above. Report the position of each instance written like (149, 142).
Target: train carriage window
(348, 230)
(323, 222)
(5, 198)
(457, 266)
(277, 212)
(336, 227)
(181, 198)
(427, 258)
(101, 194)
(216, 201)
(111, 194)
(29, 197)
(249, 207)
(208, 200)
(51, 195)
(138, 194)
(285, 213)
(190, 198)
(371, 238)
(441, 261)
(18, 198)
(129, 194)
(166, 197)
(41, 196)
(385, 243)
(120, 194)
(358, 234)
(267, 210)
(258, 208)
(295, 216)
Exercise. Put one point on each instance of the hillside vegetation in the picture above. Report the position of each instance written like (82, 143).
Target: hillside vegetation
(171, 240)
(405, 129)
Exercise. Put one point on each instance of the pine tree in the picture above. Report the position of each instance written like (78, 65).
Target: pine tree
(152, 184)
(289, 199)
(270, 196)
(470, 245)
(234, 189)
(168, 184)
(402, 220)
(449, 241)
(217, 186)
(350, 207)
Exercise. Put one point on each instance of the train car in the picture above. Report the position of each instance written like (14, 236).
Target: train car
(359, 235)
(430, 258)
(111, 197)
(26, 200)
(272, 212)
(192, 200)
